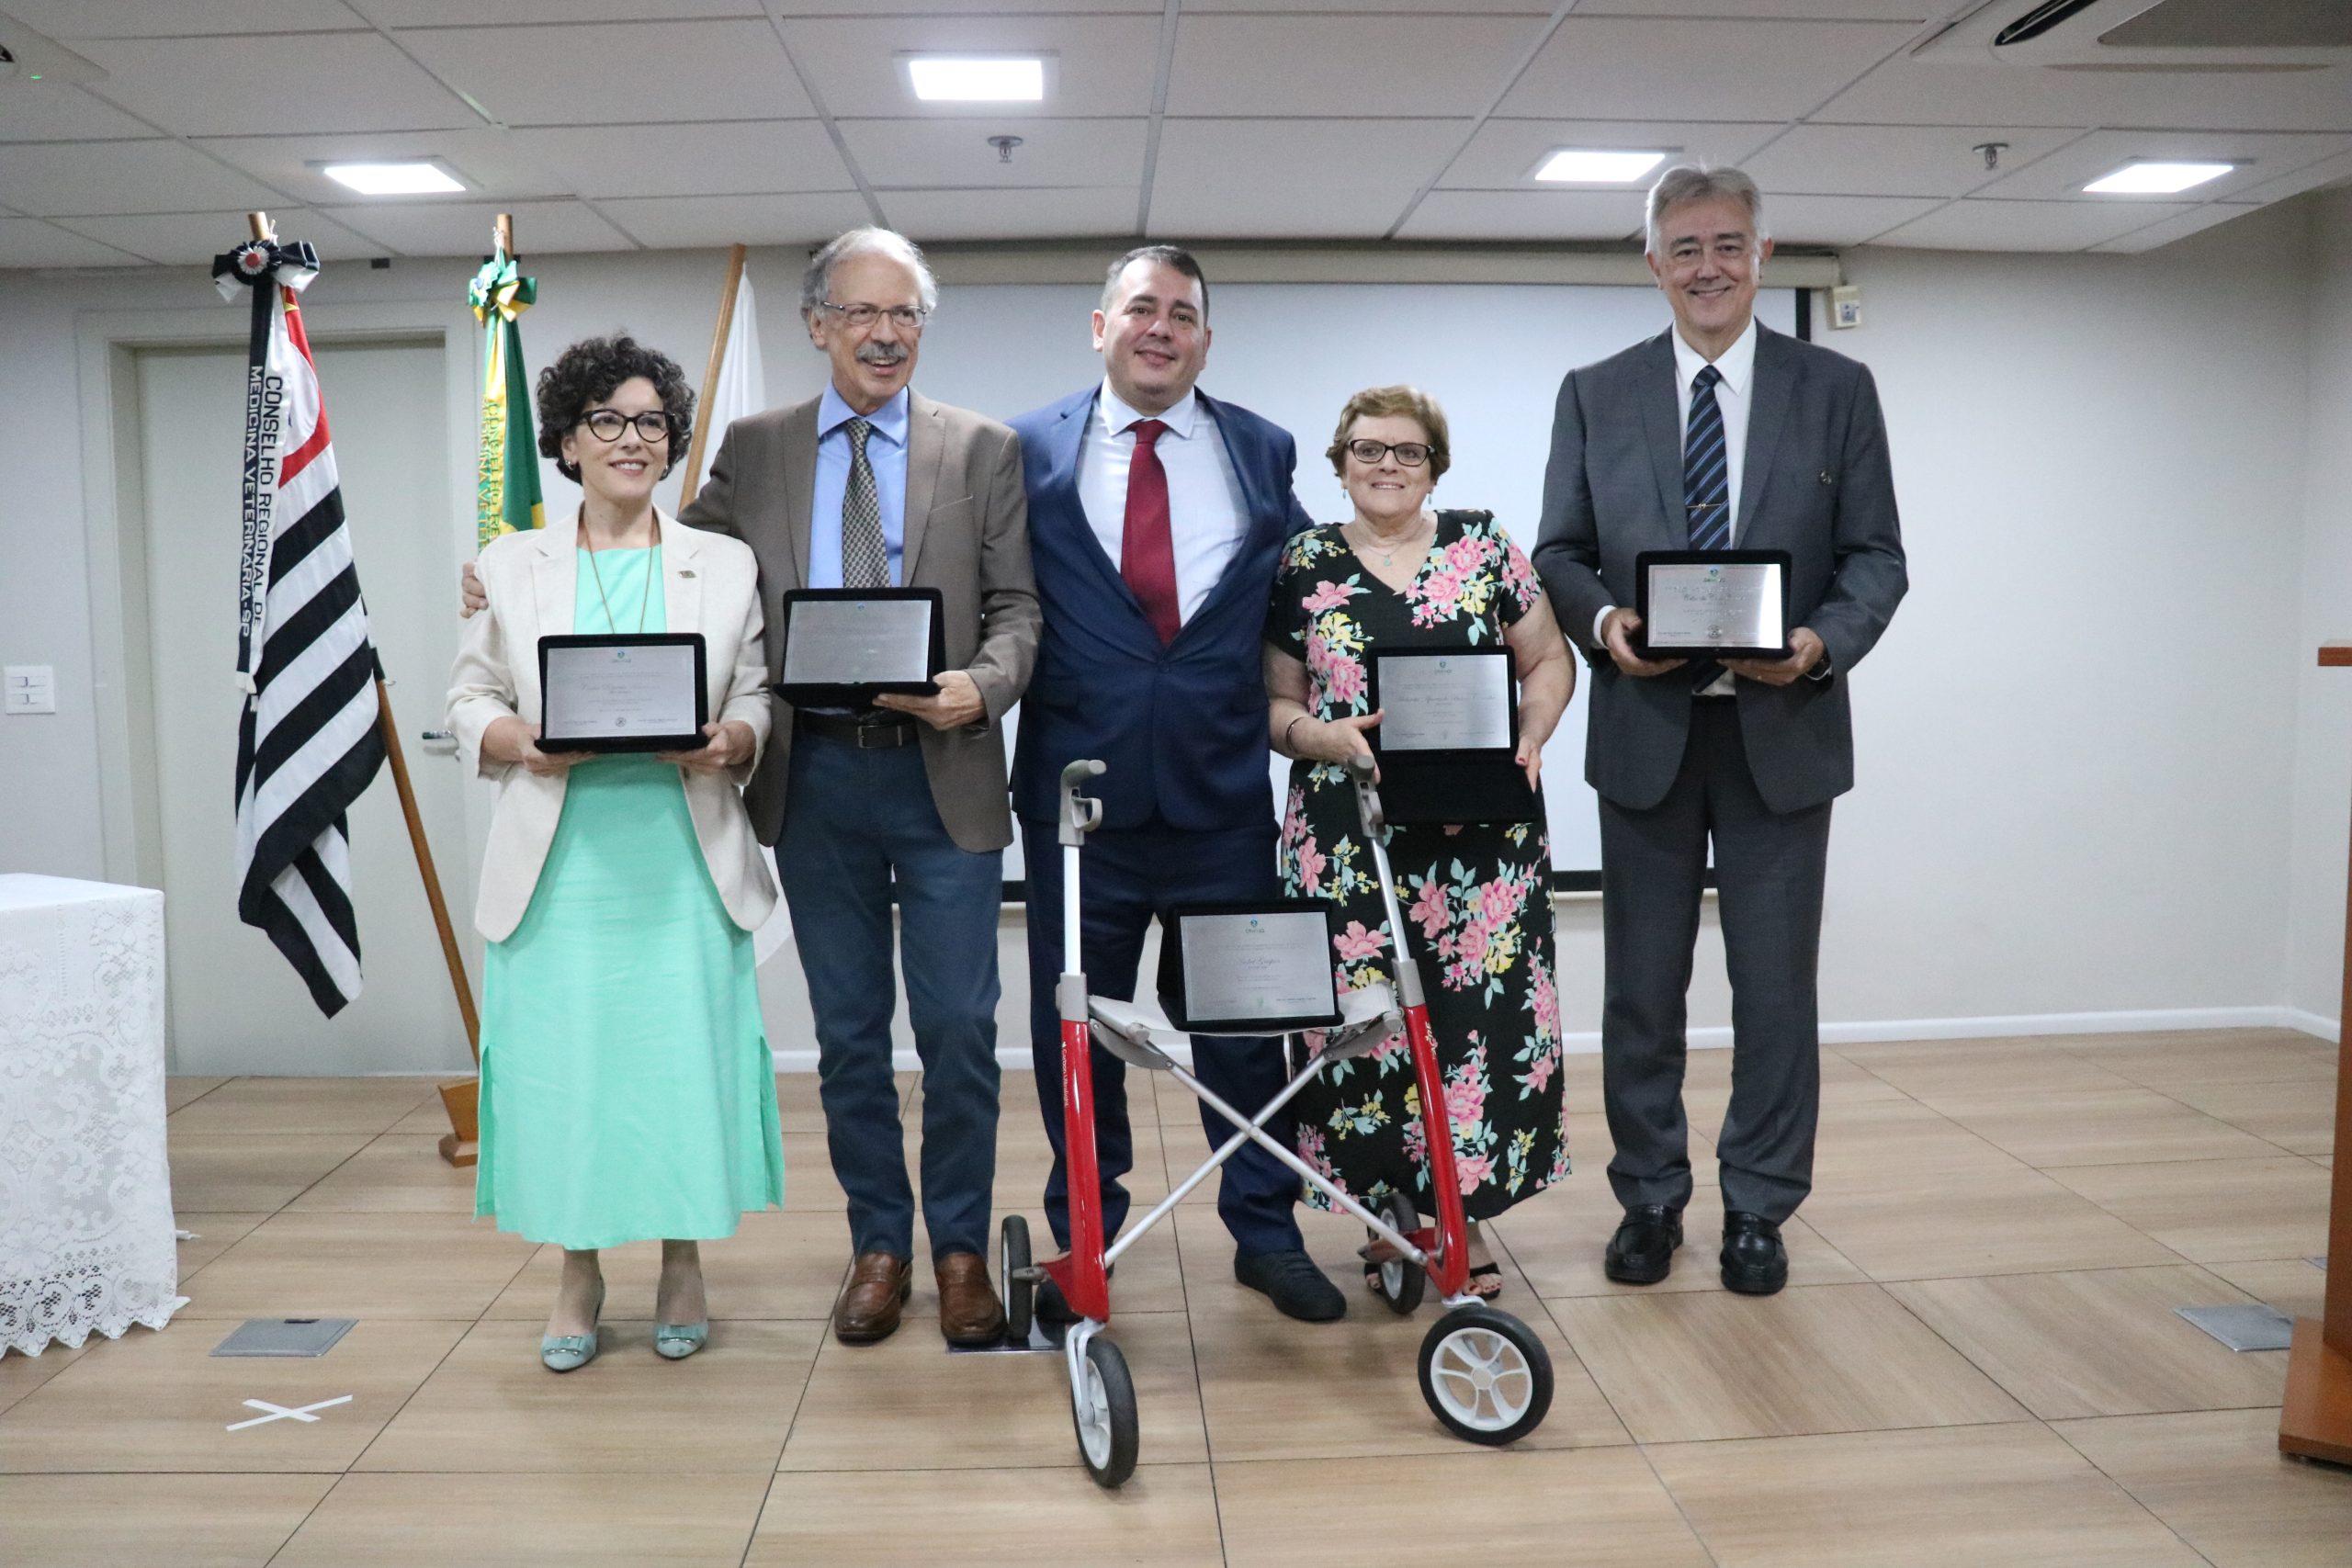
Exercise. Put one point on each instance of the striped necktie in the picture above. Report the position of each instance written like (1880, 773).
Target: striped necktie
(1706, 467)
(1706, 489)
(866, 560)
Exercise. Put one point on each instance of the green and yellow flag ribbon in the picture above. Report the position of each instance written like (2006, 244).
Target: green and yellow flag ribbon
(506, 492)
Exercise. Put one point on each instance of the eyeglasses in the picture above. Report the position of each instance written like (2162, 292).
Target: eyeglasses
(861, 318)
(1412, 454)
(606, 424)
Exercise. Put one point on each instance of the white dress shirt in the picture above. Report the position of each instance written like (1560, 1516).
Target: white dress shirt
(1206, 516)
(1733, 395)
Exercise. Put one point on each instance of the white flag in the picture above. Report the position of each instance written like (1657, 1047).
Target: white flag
(741, 391)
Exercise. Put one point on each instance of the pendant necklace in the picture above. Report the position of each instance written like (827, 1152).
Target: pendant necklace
(597, 573)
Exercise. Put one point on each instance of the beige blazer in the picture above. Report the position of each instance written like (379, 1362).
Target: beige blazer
(966, 535)
(709, 585)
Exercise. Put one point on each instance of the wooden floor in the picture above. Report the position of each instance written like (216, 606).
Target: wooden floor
(1977, 1362)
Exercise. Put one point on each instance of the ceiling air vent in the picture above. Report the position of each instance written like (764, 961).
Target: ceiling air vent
(2039, 20)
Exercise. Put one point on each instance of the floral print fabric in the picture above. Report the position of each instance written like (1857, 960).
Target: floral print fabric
(1474, 894)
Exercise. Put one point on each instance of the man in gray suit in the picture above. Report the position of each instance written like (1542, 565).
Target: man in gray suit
(871, 485)
(1718, 432)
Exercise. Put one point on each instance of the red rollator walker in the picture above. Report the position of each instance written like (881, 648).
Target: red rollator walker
(1486, 1375)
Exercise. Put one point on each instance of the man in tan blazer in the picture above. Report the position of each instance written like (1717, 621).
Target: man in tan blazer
(870, 485)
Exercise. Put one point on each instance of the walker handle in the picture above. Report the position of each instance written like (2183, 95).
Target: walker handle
(1360, 772)
(1080, 814)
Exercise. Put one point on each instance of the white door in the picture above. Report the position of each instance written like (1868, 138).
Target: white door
(235, 1005)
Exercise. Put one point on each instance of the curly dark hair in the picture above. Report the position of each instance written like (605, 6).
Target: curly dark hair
(592, 371)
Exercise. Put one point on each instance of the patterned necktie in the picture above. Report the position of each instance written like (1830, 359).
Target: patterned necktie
(866, 560)
(1147, 545)
(1706, 489)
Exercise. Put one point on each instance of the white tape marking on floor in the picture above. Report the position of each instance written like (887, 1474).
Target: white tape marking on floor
(279, 1412)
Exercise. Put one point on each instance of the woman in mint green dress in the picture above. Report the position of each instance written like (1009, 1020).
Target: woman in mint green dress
(627, 1086)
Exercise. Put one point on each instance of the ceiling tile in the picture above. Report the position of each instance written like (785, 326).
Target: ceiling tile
(565, 76)
(928, 216)
(1342, 65)
(675, 222)
(1103, 64)
(1894, 160)
(1984, 224)
(1504, 154)
(237, 87)
(69, 19)
(2166, 230)
(1904, 91)
(1440, 8)
(1637, 67)
(460, 13)
(2262, 157)
(28, 242)
(1841, 220)
(462, 228)
(968, 7)
(490, 160)
(1913, 11)
(769, 156)
(1525, 215)
(2327, 171)
(45, 178)
(193, 239)
(59, 111)
(1296, 178)
(941, 152)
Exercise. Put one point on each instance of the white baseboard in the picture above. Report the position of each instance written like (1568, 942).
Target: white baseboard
(1993, 1027)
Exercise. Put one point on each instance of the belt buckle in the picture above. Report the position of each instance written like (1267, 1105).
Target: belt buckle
(877, 737)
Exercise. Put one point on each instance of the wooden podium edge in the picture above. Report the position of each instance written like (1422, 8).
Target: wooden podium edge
(462, 1145)
(2317, 1420)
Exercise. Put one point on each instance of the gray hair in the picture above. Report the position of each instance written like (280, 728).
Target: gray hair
(817, 282)
(1686, 182)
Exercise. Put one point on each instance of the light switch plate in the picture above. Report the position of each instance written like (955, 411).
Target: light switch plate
(28, 688)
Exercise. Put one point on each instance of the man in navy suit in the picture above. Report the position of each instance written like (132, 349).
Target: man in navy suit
(1156, 516)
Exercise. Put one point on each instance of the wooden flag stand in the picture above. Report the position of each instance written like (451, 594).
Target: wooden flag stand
(2317, 1420)
(692, 480)
(459, 1098)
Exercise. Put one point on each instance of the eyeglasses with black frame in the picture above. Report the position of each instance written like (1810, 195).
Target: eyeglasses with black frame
(606, 424)
(1412, 454)
(861, 318)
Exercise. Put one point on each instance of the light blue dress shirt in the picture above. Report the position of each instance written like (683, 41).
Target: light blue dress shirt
(885, 451)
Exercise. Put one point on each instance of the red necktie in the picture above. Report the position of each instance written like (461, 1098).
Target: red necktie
(1147, 547)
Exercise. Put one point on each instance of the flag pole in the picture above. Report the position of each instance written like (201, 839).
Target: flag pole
(693, 480)
(465, 1130)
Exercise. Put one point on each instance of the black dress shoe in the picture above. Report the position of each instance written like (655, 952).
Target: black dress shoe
(1293, 1284)
(1754, 1263)
(1642, 1252)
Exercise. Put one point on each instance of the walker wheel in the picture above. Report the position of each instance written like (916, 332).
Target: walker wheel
(1014, 1278)
(1401, 1282)
(1486, 1375)
(1103, 1407)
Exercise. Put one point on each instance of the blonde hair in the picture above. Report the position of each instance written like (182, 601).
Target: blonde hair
(1393, 402)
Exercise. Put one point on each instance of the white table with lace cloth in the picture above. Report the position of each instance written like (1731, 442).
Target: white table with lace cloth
(87, 1236)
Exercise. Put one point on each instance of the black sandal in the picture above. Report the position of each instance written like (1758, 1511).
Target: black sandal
(1485, 1271)
(1377, 1255)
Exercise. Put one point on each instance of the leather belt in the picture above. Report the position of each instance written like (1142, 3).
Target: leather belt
(871, 732)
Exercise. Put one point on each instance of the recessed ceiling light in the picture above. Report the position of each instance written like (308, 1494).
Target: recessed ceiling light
(415, 177)
(977, 78)
(2157, 179)
(1595, 167)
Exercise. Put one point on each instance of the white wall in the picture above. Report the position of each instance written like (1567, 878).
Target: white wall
(2081, 789)
(2322, 775)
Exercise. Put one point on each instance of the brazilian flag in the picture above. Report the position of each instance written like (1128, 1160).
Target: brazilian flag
(507, 474)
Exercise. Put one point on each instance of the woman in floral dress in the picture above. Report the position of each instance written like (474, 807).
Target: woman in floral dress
(1477, 894)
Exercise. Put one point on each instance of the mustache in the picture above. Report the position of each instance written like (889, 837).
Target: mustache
(881, 355)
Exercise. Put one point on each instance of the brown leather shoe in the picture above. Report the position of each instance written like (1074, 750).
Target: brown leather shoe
(868, 1309)
(969, 1313)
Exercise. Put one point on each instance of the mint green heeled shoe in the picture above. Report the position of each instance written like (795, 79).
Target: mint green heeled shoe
(569, 1352)
(676, 1341)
